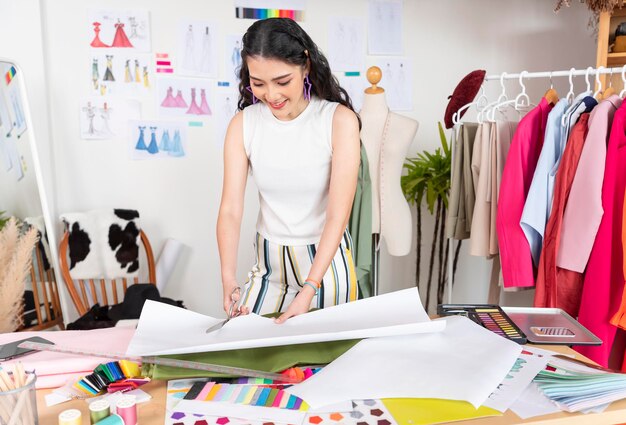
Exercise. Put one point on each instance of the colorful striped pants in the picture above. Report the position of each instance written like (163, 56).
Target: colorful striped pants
(280, 271)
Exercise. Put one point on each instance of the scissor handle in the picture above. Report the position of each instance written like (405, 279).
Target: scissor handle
(233, 301)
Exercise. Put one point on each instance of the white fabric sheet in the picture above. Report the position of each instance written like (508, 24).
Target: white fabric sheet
(464, 362)
(164, 329)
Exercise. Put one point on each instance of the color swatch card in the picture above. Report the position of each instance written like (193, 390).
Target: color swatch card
(264, 395)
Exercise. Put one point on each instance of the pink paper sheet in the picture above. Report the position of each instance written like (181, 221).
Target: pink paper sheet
(53, 369)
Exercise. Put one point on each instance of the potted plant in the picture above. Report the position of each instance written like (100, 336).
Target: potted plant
(428, 178)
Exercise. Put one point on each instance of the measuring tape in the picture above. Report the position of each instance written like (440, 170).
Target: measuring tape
(227, 370)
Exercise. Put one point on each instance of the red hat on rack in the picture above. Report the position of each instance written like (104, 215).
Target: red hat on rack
(463, 94)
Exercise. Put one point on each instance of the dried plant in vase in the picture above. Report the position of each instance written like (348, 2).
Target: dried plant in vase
(596, 6)
(15, 260)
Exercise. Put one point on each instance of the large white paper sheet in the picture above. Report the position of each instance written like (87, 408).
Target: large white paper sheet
(464, 362)
(164, 329)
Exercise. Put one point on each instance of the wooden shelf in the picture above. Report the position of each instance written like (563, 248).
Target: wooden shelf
(616, 59)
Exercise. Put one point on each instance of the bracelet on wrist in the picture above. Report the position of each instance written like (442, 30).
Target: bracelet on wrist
(314, 282)
(315, 288)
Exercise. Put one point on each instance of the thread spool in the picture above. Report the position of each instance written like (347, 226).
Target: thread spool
(99, 410)
(111, 420)
(127, 409)
(70, 417)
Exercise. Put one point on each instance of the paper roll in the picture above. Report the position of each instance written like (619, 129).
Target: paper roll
(167, 262)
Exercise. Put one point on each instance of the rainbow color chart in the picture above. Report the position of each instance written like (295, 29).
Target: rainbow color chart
(10, 74)
(255, 13)
(263, 395)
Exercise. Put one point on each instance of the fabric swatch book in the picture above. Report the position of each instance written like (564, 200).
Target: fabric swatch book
(574, 387)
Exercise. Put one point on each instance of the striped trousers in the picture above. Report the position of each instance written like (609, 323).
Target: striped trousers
(280, 271)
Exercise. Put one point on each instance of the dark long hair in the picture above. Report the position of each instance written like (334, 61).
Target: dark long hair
(283, 39)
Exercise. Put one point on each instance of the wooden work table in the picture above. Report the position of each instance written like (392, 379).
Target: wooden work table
(153, 411)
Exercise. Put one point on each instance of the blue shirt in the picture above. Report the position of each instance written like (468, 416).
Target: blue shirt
(538, 203)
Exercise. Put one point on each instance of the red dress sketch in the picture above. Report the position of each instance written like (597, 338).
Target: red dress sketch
(120, 39)
(96, 42)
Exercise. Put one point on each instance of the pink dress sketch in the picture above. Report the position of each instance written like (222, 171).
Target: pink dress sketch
(169, 101)
(194, 108)
(96, 42)
(180, 101)
(204, 105)
(120, 39)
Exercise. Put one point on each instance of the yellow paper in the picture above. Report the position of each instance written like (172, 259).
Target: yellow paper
(423, 411)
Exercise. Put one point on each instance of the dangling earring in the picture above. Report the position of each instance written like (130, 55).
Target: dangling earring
(254, 99)
(307, 88)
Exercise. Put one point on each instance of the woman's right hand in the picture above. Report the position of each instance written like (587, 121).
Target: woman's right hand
(228, 289)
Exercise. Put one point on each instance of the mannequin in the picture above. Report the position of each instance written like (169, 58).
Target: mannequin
(386, 137)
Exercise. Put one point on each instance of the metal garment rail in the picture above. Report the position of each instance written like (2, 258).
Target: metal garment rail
(572, 72)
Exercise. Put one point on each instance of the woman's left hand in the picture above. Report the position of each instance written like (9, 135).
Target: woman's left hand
(300, 305)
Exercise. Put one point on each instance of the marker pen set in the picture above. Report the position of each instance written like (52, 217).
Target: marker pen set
(490, 316)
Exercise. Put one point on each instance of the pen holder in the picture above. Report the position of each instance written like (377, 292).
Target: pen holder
(19, 406)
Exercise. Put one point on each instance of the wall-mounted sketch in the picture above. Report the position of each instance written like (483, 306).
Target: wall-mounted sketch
(185, 97)
(226, 99)
(355, 86)
(197, 52)
(347, 50)
(123, 29)
(396, 82)
(232, 57)
(121, 73)
(12, 117)
(385, 27)
(104, 118)
(156, 139)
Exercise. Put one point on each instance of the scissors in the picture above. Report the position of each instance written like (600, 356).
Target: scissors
(232, 312)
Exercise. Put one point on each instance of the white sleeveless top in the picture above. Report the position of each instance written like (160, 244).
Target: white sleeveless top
(290, 162)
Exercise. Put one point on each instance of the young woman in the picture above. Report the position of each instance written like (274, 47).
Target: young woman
(298, 135)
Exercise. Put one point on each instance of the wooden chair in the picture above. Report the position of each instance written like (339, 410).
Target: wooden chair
(77, 288)
(47, 307)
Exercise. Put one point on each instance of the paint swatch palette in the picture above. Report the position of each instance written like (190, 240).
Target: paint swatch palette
(490, 316)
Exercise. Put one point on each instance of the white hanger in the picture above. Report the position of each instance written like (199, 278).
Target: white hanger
(518, 102)
(483, 113)
(623, 92)
(598, 82)
(570, 94)
(480, 103)
(587, 92)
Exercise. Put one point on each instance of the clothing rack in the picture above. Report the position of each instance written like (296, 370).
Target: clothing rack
(521, 76)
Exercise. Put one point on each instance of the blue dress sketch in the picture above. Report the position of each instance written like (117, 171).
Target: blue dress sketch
(166, 144)
(177, 148)
(141, 144)
(152, 147)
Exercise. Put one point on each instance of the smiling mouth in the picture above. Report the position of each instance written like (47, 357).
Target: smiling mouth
(278, 105)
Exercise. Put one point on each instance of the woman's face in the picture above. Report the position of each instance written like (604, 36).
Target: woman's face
(279, 85)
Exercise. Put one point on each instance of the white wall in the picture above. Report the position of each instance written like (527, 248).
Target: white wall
(445, 39)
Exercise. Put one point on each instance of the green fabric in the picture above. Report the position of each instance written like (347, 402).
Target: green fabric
(360, 227)
(269, 359)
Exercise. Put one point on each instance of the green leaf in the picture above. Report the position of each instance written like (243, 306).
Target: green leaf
(444, 142)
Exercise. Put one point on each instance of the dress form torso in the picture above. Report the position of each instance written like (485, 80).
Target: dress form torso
(386, 137)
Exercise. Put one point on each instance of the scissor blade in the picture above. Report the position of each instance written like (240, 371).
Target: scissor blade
(217, 326)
